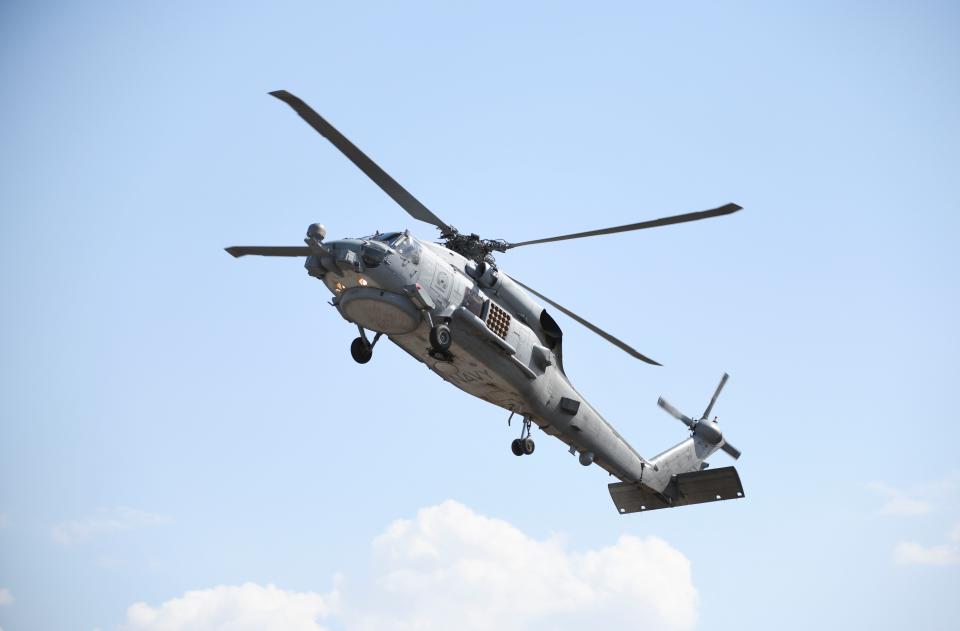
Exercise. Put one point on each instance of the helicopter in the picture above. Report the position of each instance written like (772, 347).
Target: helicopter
(453, 309)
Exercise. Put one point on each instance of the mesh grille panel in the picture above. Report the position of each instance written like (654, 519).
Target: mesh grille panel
(498, 320)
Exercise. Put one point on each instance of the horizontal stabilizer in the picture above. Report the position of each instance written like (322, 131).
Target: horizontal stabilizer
(268, 250)
(697, 487)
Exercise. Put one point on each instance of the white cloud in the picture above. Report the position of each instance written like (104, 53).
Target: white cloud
(919, 499)
(103, 523)
(451, 564)
(911, 553)
(924, 499)
(6, 598)
(899, 503)
(247, 607)
(450, 567)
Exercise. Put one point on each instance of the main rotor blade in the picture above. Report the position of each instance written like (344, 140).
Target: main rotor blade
(716, 393)
(268, 250)
(380, 177)
(731, 450)
(590, 326)
(675, 413)
(665, 221)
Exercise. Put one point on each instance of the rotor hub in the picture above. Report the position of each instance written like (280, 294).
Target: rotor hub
(471, 246)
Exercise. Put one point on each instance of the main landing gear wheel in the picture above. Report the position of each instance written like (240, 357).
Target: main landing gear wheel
(524, 445)
(441, 338)
(361, 350)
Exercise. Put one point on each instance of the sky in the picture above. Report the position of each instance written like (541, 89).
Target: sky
(185, 442)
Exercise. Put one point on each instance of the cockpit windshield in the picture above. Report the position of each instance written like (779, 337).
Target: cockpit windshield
(405, 245)
(386, 237)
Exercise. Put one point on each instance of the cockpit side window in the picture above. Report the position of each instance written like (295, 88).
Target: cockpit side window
(407, 247)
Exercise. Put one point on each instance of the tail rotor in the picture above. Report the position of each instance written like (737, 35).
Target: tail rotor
(703, 428)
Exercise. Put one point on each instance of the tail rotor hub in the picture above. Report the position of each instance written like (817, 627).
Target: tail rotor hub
(706, 430)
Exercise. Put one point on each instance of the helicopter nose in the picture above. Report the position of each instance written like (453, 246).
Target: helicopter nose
(369, 289)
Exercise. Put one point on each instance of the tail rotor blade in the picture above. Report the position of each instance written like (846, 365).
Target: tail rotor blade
(675, 413)
(723, 381)
(731, 450)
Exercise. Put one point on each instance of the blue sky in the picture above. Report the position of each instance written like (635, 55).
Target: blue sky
(183, 430)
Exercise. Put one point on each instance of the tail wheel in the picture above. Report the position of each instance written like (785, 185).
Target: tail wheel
(528, 446)
(517, 447)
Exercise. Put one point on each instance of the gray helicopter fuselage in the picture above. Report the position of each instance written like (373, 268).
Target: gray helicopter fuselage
(506, 349)
(453, 310)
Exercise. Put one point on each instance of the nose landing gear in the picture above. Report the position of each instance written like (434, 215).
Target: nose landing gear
(361, 349)
(524, 445)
